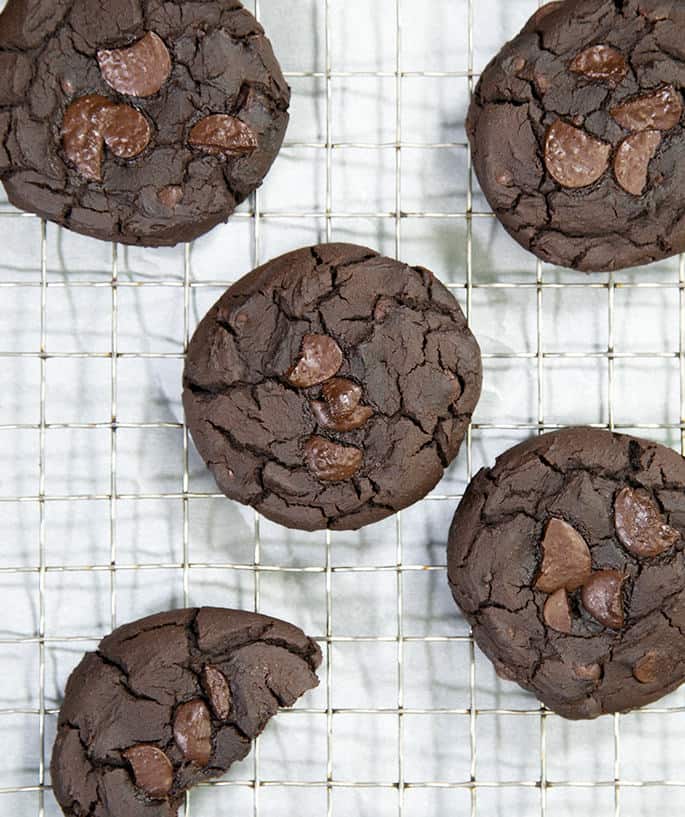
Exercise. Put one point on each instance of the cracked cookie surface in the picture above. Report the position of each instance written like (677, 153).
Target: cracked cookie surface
(567, 559)
(138, 121)
(576, 130)
(331, 387)
(169, 701)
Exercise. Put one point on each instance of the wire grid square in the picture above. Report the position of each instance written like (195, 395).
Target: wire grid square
(109, 514)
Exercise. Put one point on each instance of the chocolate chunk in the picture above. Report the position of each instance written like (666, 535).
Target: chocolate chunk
(542, 12)
(170, 196)
(152, 770)
(573, 157)
(566, 561)
(193, 732)
(331, 462)
(601, 62)
(127, 132)
(321, 359)
(660, 110)
(602, 597)
(640, 525)
(220, 133)
(139, 70)
(557, 612)
(216, 688)
(654, 667)
(632, 159)
(588, 672)
(92, 121)
(340, 410)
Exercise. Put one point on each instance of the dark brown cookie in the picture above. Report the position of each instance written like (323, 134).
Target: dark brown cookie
(576, 129)
(169, 701)
(567, 559)
(331, 387)
(145, 123)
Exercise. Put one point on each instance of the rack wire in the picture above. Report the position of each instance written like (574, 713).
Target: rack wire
(465, 788)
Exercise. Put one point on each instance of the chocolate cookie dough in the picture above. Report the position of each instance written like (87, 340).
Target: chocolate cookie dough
(331, 387)
(139, 121)
(567, 560)
(169, 701)
(576, 130)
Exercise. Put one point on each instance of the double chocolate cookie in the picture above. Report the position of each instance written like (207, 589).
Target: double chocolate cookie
(567, 559)
(169, 701)
(576, 129)
(141, 121)
(331, 387)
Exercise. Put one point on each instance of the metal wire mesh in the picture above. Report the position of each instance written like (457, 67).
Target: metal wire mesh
(468, 788)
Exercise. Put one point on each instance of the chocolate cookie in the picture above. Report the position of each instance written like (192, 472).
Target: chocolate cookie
(141, 121)
(576, 129)
(169, 701)
(331, 387)
(567, 560)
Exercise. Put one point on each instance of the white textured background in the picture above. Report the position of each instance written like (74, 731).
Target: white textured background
(105, 516)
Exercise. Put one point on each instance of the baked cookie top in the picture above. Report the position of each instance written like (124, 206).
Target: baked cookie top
(169, 701)
(567, 559)
(576, 129)
(139, 121)
(331, 387)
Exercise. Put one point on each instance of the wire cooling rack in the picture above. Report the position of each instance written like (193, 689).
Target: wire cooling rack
(107, 514)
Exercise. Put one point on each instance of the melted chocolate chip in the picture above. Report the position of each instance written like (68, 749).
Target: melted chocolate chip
(557, 612)
(331, 462)
(340, 410)
(127, 132)
(193, 732)
(632, 159)
(588, 672)
(640, 525)
(602, 597)
(566, 561)
(321, 359)
(601, 62)
(139, 70)
(220, 133)
(573, 157)
(93, 121)
(653, 667)
(216, 688)
(170, 196)
(660, 110)
(152, 770)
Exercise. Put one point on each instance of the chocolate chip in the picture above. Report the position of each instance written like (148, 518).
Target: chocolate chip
(557, 612)
(152, 770)
(193, 732)
(573, 157)
(542, 12)
(220, 133)
(331, 462)
(588, 672)
(139, 70)
(170, 196)
(640, 525)
(90, 122)
(660, 110)
(652, 667)
(505, 178)
(216, 688)
(320, 359)
(340, 410)
(602, 597)
(566, 560)
(601, 62)
(632, 159)
(518, 64)
(127, 132)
